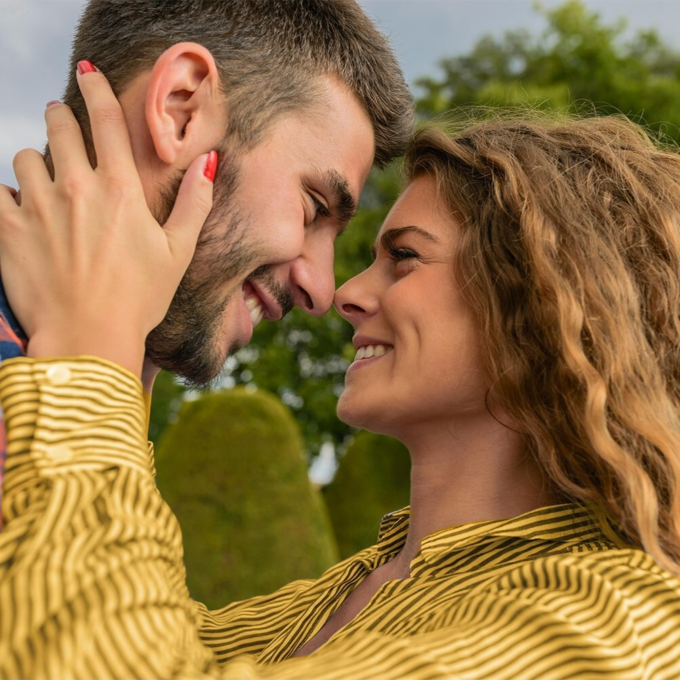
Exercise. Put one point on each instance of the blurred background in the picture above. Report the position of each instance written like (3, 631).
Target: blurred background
(310, 481)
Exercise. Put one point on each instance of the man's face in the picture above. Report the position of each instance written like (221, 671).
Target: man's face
(268, 243)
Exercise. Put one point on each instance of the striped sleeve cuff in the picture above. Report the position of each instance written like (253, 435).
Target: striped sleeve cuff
(72, 413)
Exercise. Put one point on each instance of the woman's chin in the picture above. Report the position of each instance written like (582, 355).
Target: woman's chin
(351, 411)
(366, 416)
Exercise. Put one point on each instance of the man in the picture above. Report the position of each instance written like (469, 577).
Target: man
(227, 75)
(298, 97)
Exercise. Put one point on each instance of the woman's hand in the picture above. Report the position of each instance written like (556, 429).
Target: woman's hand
(86, 267)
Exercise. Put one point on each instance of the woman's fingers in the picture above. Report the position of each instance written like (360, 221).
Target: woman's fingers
(109, 129)
(9, 214)
(192, 207)
(11, 191)
(8, 201)
(31, 173)
(88, 241)
(66, 141)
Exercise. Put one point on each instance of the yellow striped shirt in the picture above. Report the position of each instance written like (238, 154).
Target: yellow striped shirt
(92, 582)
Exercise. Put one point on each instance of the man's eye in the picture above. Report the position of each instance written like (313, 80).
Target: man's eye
(319, 208)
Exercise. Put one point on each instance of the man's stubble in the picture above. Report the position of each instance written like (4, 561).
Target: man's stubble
(188, 341)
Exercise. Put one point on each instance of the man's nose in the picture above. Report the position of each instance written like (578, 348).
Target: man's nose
(311, 279)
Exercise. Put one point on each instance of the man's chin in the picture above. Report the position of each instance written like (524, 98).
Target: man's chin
(199, 370)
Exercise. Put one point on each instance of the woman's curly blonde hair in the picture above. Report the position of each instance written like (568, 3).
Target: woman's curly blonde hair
(570, 256)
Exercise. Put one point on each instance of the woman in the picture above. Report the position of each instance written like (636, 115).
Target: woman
(524, 300)
(518, 330)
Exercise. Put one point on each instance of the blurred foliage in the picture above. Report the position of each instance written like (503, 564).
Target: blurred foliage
(373, 478)
(251, 521)
(577, 62)
(167, 399)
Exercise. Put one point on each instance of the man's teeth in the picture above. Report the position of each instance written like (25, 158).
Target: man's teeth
(255, 309)
(372, 351)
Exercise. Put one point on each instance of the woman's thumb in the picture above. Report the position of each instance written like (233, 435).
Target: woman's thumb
(192, 207)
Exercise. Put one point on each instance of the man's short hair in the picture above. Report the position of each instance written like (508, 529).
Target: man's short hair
(269, 54)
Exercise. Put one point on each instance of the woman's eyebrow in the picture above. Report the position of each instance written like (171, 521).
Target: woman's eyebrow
(389, 235)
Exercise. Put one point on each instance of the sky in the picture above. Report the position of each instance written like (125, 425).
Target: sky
(35, 39)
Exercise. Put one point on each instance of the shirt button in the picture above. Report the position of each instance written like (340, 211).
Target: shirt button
(60, 453)
(58, 374)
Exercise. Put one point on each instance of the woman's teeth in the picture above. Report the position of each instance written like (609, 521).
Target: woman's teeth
(372, 351)
(255, 309)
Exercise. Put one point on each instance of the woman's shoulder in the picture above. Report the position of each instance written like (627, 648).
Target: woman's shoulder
(625, 576)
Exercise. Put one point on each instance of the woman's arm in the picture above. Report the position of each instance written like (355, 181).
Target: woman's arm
(92, 582)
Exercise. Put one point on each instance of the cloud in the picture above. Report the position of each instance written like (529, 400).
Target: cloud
(35, 37)
(25, 20)
(19, 21)
(25, 133)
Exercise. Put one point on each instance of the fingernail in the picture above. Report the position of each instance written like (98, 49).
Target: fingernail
(86, 67)
(211, 166)
(52, 103)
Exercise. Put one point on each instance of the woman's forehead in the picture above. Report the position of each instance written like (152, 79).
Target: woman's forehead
(419, 211)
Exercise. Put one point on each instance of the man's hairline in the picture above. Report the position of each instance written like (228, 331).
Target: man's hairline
(312, 107)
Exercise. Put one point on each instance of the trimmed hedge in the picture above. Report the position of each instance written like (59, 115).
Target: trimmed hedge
(373, 478)
(233, 470)
(167, 398)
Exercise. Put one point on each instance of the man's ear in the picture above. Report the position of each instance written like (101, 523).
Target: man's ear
(185, 109)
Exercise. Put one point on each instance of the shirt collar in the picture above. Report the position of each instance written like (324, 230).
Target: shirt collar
(570, 522)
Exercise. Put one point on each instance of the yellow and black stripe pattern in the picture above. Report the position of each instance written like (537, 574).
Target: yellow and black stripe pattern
(92, 582)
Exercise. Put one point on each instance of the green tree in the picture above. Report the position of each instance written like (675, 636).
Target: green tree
(577, 59)
(373, 478)
(251, 521)
(168, 394)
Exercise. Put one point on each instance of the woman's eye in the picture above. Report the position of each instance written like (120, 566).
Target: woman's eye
(401, 254)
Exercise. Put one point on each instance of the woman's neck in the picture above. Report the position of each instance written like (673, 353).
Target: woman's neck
(467, 472)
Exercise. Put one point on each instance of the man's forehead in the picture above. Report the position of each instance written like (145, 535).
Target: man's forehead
(340, 124)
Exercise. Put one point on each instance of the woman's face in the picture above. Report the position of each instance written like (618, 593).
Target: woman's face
(418, 360)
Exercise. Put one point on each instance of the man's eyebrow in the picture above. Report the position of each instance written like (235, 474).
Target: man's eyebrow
(344, 204)
(389, 235)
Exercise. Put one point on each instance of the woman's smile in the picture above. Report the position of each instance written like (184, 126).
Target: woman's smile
(369, 354)
(409, 299)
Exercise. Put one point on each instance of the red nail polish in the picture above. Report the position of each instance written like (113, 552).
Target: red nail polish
(86, 67)
(211, 166)
(52, 103)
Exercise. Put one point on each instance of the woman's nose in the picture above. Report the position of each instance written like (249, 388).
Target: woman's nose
(356, 298)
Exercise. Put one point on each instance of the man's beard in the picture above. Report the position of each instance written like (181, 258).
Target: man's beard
(187, 342)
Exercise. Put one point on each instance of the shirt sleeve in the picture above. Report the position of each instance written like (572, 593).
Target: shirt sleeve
(92, 581)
